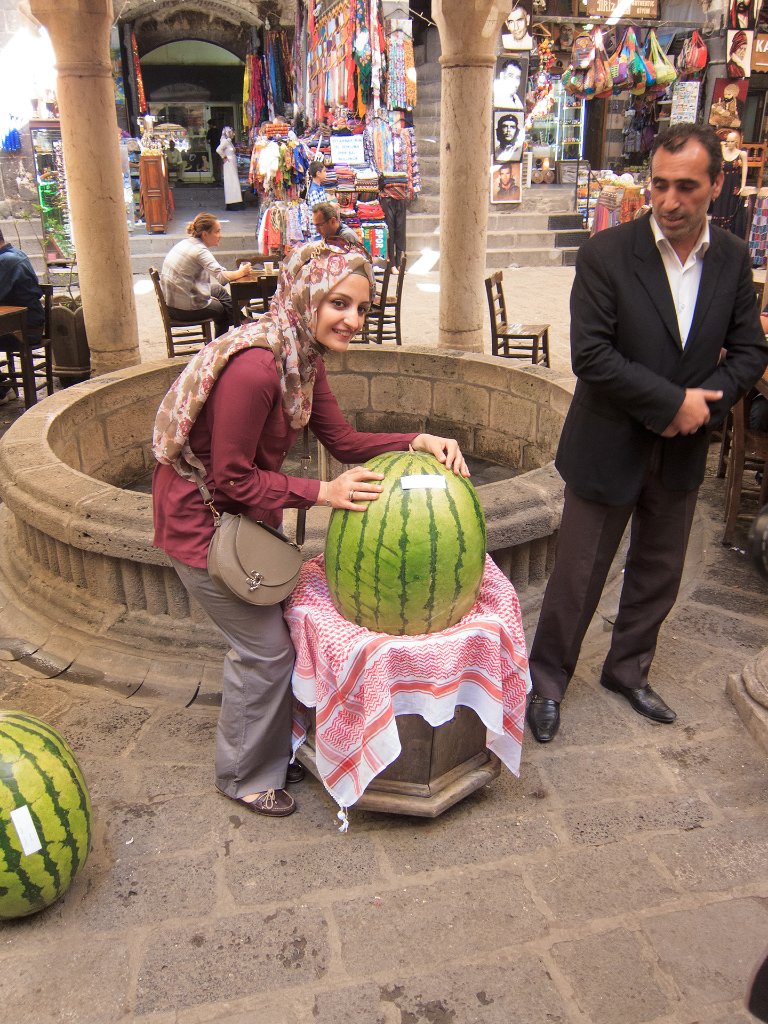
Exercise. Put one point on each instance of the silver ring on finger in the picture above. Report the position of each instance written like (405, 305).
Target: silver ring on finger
(352, 496)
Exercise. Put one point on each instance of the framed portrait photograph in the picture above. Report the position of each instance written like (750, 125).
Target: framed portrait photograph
(510, 82)
(505, 183)
(728, 99)
(508, 136)
(739, 53)
(516, 30)
(743, 13)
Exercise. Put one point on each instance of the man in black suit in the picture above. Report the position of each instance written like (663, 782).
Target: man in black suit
(665, 337)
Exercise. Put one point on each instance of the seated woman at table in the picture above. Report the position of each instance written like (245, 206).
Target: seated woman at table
(237, 431)
(193, 281)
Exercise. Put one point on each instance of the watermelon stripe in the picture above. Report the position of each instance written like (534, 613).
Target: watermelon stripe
(391, 497)
(430, 604)
(405, 500)
(65, 752)
(54, 745)
(31, 893)
(459, 563)
(48, 863)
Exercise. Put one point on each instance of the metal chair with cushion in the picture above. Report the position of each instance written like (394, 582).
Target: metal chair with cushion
(182, 337)
(514, 341)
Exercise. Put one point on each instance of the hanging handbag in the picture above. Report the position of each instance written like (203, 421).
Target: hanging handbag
(619, 65)
(256, 563)
(663, 66)
(693, 56)
(603, 80)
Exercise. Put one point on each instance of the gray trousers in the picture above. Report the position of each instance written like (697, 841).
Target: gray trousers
(589, 537)
(253, 736)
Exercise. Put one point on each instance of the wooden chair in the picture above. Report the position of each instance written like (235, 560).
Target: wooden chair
(755, 162)
(31, 359)
(182, 337)
(748, 453)
(383, 323)
(514, 341)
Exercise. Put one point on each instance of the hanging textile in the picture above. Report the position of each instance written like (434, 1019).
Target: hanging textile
(254, 89)
(361, 49)
(758, 236)
(401, 67)
(140, 97)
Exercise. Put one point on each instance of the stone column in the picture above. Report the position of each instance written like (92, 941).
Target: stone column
(469, 32)
(79, 31)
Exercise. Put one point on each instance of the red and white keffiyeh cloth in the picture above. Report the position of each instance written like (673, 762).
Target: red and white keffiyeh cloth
(359, 680)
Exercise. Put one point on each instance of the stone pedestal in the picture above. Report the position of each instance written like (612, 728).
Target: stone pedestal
(79, 31)
(436, 768)
(468, 35)
(749, 693)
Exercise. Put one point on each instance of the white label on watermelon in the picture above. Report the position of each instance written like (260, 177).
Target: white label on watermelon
(425, 481)
(26, 831)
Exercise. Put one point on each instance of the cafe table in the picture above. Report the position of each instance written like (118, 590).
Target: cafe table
(358, 681)
(13, 320)
(252, 293)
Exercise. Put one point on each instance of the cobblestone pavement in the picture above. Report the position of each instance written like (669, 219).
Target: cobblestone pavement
(620, 880)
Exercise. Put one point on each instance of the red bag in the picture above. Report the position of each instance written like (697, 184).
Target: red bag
(693, 56)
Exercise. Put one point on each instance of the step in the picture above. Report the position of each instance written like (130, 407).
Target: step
(427, 91)
(141, 262)
(535, 257)
(425, 73)
(159, 245)
(570, 239)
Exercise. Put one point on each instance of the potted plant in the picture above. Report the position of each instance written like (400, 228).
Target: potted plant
(69, 344)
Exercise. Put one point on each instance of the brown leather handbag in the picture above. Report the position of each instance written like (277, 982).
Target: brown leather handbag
(256, 563)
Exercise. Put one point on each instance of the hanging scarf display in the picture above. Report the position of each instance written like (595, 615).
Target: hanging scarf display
(254, 88)
(401, 68)
(361, 49)
(140, 97)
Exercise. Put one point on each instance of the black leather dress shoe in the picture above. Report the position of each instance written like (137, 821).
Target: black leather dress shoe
(543, 718)
(644, 700)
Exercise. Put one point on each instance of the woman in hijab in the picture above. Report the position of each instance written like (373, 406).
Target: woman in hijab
(233, 414)
(233, 197)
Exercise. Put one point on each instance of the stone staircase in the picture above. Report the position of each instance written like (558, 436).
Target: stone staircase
(543, 231)
(238, 237)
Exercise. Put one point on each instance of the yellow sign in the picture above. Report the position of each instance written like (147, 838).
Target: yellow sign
(626, 10)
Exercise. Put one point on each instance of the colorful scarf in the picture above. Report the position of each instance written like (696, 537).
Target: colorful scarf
(307, 276)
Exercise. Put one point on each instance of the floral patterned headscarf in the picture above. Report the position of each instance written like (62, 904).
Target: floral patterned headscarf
(307, 276)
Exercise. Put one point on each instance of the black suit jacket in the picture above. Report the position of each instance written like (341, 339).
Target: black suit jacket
(633, 370)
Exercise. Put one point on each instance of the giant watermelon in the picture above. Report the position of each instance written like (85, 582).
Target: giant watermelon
(42, 785)
(413, 561)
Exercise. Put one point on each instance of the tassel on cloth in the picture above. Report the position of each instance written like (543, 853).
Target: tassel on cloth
(342, 816)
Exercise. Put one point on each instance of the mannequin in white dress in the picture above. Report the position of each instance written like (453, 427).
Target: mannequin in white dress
(233, 197)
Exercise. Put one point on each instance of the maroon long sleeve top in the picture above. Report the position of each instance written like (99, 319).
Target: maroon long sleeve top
(242, 437)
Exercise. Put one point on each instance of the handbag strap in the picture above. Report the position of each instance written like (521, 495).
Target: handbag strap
(301, 516)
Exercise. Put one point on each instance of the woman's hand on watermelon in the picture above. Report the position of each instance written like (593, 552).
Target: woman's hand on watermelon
(444, 449)
(352, 490)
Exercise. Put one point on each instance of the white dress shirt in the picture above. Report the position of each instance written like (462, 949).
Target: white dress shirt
(684, 278)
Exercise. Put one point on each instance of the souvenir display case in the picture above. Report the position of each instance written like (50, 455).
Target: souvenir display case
(561, 131)
(52, 190)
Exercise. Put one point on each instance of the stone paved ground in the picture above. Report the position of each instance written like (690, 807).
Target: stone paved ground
(620, 880)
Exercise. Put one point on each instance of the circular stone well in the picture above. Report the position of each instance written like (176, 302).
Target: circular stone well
(82, 589)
